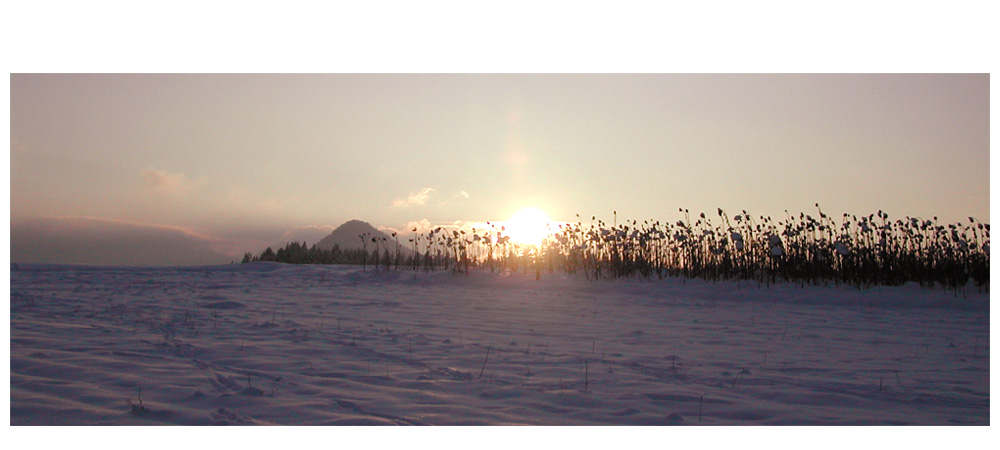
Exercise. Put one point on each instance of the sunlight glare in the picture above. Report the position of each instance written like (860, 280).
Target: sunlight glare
(528, 226)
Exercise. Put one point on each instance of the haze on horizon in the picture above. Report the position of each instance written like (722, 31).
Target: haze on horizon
(191, 169)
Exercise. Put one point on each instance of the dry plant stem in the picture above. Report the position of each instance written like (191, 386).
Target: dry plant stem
(485, 360)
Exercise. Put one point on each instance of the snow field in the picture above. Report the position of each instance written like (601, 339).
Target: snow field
(320, 345)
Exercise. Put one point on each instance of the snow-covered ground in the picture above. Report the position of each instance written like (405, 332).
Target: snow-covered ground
(331, 345)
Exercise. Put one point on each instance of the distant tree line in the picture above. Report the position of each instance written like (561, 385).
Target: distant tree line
(299, 253)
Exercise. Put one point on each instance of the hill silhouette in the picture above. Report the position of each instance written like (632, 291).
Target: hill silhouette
(347, 237)
(354, 242)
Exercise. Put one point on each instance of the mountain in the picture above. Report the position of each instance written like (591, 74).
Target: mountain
(346, 237)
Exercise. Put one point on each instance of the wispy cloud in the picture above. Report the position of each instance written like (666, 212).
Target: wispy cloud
(240, 200)
(420, 226)
(414, 199)
(424, 225)
(16, 146)
(161, 180)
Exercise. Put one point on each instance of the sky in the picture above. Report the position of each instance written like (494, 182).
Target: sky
(235, 162)
(132, 143)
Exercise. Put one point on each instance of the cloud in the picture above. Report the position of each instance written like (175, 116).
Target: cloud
(424, 226)
(91, 240)
(452, 200)
(170, 182)
(420, 226)
(17, 147)
(416, 198)
(240, 201)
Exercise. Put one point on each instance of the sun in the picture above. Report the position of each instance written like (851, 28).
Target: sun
(528, 226)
